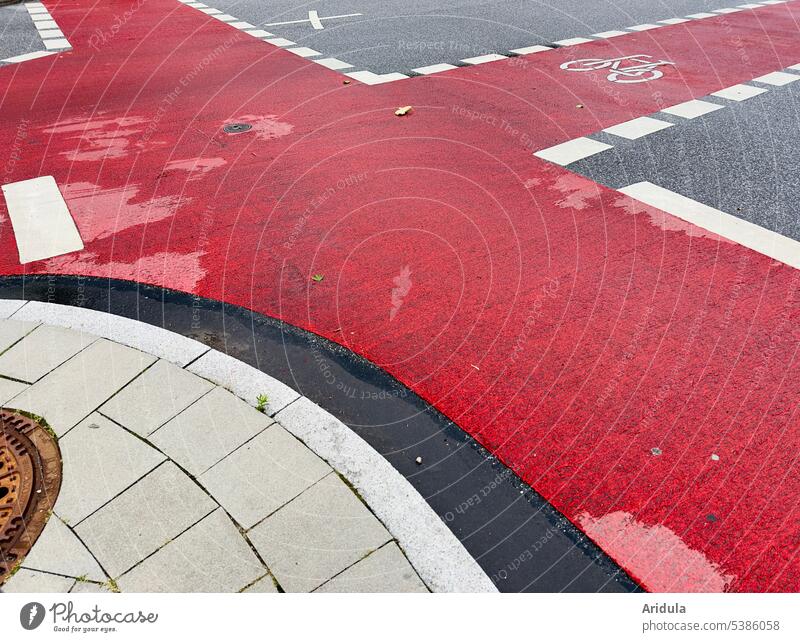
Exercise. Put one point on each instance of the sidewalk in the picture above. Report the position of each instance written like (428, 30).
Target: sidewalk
(172, 483)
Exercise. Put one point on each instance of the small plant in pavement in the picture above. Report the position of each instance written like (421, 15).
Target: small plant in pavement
(261, 403)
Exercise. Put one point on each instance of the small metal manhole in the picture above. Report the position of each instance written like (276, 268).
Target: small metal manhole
(236, 128)
(30, 478)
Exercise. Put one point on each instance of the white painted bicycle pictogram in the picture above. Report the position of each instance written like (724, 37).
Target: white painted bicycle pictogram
(642, 68)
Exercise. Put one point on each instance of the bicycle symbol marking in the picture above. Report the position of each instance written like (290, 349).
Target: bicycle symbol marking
(638, 68)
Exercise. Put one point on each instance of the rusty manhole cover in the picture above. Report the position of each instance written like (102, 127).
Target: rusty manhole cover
(30, 477)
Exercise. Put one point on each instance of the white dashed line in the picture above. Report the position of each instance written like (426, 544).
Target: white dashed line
(570, 42)
(313, 18)
(674, 21)
(739, 92)
(692, 109)
(479, 60)
(750, 5)
(305, 52)
(259, 33)
(279, 42)
(610, 34)
(43, 226)
(435, 69)
(333, 63)
(57, 43)
(572, 151)
(645, 27)
(224, 17)
(727, 10)
(638, 127)
(370, 78)
(755, 237)
(28, 56)
(522, 51)
(242, 25)
(700, 16)
(777, 78)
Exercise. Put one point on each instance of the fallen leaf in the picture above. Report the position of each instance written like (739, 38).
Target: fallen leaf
(403, 110)
(317, 277)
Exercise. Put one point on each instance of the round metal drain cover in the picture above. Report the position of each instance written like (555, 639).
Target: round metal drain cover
(30, 478)
(236, 128)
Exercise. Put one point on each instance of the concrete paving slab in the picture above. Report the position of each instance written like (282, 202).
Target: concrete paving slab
(144, 518)
(267, 472)
(42, 350)
(385, 571)
(100, 460)
(265, 585)
(58, 551)
(76, 388)
(154, 397)
(243, 380)
(12, 331)
(317, 535)
(26, 581)
(208, 430)
(10, 389)
(90, 587)
(9, 307)
(211, 557)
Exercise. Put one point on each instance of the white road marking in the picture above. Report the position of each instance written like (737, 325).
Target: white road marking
(42, 224)
(41, 16)
(739, 92)
(259, 33)
(305, 52)
(609, 34)
(28, 56)
(371, 78)
(569, 42)
(435, 69)
(794, 67)
(241, 25)
(479, 60)
(700, 16)
(57, 43)
(573, 150)
(51, 33)
(692, 109)
(209, 10)
(726, 10)
(279, 42)
(777, 78)
(755, 237)
(750, 5)
(46, 24)
(674, 21)
(35, 10)
(313, 18)
(529, 50)
(296, 22)
(638, 127)
(333, 63)
(645, 27)
(224, 17)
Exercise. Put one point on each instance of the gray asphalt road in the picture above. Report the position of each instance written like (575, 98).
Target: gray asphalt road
(17, 34)
(741, 159)
(393, 36)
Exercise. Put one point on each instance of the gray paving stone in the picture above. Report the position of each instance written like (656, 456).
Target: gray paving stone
(58, 551)
(25, 581)
(385, 571)
(12, 331)
(144, 518)
(44, 349)
(243, 380)
(211, 557)
(265, 585)
(148, 338)
(155, 397)
(264, 474)
(76, 388)
(90, 587)
(317, 535)
(9, 307)
(208, 430)
(10, 389)
(100, 460)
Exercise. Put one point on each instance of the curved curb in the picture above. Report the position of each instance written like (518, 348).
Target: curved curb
(432, 549)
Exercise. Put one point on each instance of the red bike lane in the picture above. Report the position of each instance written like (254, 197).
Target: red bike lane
(639, 373)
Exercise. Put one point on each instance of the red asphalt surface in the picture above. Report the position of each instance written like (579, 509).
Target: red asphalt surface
(568, 328)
